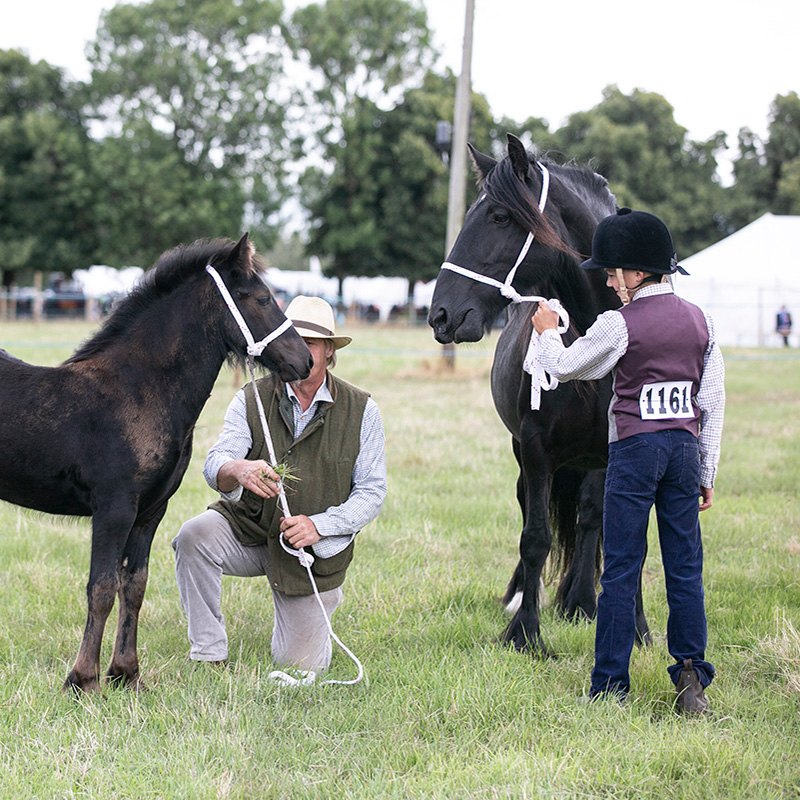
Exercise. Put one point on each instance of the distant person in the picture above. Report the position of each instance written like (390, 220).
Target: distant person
(665, 428)
(331, 434)
(783, 325)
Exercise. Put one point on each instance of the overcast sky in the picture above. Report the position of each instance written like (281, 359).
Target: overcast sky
(718, 64)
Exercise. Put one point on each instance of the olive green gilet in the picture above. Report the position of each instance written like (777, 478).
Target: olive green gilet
(322, 458)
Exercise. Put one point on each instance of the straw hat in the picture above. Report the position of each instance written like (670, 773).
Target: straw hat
(312, 318)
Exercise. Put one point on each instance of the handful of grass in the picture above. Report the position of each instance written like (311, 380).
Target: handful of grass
(284, 472)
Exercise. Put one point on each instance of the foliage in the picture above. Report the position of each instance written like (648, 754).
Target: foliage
(198, 89)
(634, 141)
(383, 210)
(364, 52)
(150, 198)
(288, 253)
(46, 197)
(359, 50)
(768, 172)
(447, 713)
(203, 126)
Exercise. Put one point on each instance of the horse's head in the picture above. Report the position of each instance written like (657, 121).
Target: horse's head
(243, 273)
(492, 239)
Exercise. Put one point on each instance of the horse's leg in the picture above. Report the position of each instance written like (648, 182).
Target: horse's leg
(643, 637)
(513, 595)
(577, 592)
(110, 527)
(124, 666)
(523, 631)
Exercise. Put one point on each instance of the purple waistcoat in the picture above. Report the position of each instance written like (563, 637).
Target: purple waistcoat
(657, 379)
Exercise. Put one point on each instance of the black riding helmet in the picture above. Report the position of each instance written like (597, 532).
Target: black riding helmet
(633, 240)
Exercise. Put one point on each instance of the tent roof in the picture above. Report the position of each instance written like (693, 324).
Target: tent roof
(764, 250)
(745, 278)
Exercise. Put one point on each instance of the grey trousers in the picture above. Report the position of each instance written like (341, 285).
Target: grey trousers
(205, 550)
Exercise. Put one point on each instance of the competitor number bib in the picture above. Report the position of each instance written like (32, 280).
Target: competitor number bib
(667, 400)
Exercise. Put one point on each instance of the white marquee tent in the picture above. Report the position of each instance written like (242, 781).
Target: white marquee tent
(744, 279)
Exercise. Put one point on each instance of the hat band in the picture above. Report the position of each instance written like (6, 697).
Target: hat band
(312, 326)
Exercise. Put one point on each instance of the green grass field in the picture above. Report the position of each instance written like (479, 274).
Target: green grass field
(447, 712)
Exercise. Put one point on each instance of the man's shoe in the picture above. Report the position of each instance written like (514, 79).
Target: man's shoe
(691, 700)
(221, 665)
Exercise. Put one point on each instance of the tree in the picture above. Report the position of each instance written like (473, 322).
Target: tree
(200, 83)
(46, 210)
(383, 210)
(149, 198)
(358, 50)
(361, 53)
(767, 171)
(412, 203)
(782, 153)
(344, 228)
(634, 141)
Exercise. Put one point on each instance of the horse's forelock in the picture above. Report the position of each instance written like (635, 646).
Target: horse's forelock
(503, 186)
(256, 265)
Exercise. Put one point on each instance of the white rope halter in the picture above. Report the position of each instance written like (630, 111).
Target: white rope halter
(305, 558)
(540, 380)
(254, 348)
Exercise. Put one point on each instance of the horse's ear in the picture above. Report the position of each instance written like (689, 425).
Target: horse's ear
(241, 246)
(483, 164)
(242, 253)
(518, 155)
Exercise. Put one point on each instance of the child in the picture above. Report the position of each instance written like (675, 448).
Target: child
(665, 426)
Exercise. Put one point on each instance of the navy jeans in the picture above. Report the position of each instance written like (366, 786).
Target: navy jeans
(662, 469)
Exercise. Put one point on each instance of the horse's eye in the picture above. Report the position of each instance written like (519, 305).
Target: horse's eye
(264, 300)
(501, 219)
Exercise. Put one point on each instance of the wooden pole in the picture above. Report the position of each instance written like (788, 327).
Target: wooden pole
(457, 195)
(38, 297)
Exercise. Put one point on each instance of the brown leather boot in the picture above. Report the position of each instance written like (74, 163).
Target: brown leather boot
(691, 700)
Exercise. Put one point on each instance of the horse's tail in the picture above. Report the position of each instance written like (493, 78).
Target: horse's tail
(576, 508)
(564, 498)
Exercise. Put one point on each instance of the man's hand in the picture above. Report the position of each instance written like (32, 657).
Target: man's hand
(707, 495)
(545, 318)
(299, 531)
(257, 476)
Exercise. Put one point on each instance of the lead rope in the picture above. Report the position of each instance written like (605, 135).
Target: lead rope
(307, 677)
(540, 380)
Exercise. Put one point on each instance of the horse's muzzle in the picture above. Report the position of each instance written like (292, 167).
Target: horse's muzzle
(465, 327)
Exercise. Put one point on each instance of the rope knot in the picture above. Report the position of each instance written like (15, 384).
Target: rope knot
(305, 558)
(509, 292)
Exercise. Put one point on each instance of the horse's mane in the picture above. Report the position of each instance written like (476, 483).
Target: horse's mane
(173, 269)
(503, 186)
(590, 186)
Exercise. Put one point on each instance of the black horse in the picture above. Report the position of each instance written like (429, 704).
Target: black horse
(108, 434)
(561, 449)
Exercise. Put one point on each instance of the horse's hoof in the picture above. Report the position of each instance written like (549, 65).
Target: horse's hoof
(576, 612)
(78, 686)
(124, 681)
(524, 644)
(644, 639)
